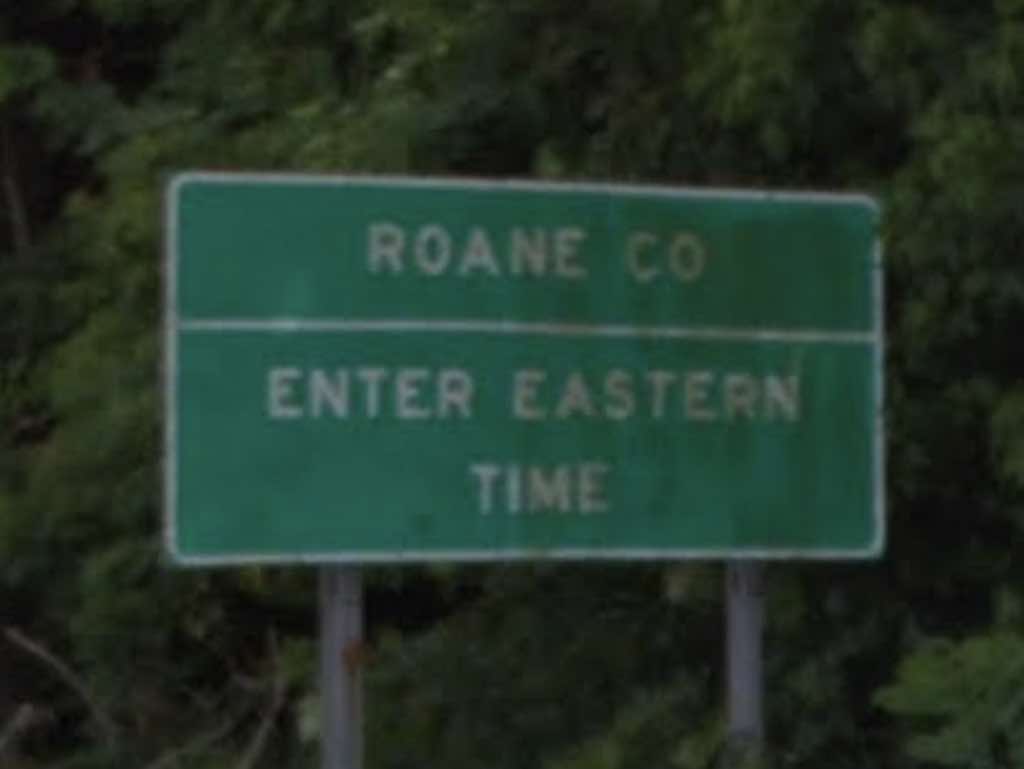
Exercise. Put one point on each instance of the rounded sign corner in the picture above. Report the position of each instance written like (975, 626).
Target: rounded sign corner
(177, 180)
(868, 202)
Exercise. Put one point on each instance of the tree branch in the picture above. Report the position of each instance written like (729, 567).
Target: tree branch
(279, 687)
(24, 717)
(66, 674)
(201, 742)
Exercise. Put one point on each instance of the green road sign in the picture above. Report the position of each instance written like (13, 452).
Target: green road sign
(390, 369)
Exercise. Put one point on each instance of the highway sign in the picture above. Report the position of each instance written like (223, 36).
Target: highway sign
(370, 369)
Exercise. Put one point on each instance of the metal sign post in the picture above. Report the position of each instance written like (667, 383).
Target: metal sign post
(744, 627)
(341, 689)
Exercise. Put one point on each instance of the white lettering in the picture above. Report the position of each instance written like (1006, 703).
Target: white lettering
(479, 255)
(408, 390)
(433, 249)
(575, 398)
(404, 393)
(454, 393)
(486, 475)
(618, 389)
(741, 395)
(437, 251)
(567, 242)
(332, 392)
(514, 489)
(782, 394)
(280, 382)
(524, 394)
(592, 498)
(697, 395)
(372, 379)
(528, 252)
(686, 257)
(387, 240)
(549, 489)
(637, 242)
(660, 381)
(564, 488)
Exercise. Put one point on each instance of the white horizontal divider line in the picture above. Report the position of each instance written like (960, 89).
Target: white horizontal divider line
(519, 328)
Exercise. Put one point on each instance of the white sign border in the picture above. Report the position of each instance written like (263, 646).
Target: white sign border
(173, 326)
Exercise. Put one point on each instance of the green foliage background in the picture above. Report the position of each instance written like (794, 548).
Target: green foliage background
(916, 660)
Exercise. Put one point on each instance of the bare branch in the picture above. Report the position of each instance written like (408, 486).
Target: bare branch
(200, 742)
(24, 717)
(279, 687)
(67, 675)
